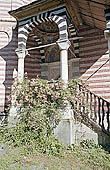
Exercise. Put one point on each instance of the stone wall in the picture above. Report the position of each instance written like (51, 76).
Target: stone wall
(70, 131)
(52, 70)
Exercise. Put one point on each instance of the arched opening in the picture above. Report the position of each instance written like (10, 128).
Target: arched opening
(45, 33)
(60, 29)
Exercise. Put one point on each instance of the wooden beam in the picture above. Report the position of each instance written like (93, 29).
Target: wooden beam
(73, 9)
(27, 11)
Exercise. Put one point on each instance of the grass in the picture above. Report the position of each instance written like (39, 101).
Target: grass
(17, 159)
(77, 158)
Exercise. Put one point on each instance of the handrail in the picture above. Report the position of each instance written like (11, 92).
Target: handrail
(94, 93)
(94, 108)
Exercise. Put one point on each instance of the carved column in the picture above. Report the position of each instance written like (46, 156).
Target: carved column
(13, 116)
(64, 130)
(64, 45)
(21, 56)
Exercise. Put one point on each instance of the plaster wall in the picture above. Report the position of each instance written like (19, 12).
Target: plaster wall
(8, 45)
(94, 61)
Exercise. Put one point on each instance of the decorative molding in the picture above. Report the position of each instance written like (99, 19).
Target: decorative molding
(25, 27)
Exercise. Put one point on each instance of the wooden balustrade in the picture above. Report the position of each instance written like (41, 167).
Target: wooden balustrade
(95, 108)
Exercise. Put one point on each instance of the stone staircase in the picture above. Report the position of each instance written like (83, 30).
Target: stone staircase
(93, 111)
(89, 117)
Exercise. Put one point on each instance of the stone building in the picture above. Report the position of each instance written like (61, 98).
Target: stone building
(8, 45)
(52, 39)
(88, 57)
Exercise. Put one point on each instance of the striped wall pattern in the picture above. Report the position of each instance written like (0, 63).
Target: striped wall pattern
(75, 39)
(8, 45)
(32, 61)
(8, 62)
(94, 64)
(107, 16)
(26, 26)
(92, 50)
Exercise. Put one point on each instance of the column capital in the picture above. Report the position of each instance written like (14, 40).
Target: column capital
(21, 53)
(64, 44)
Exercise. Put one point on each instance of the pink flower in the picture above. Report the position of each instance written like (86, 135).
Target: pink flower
(44, 97)
(22, 94)
(54, 97)
(8, 98)
(61, 84)
(52, 86)
(30, 123)
(40, 84)
(39, 95)
(35, 88)
(57, 94)
(32, 83)
(49, 93)
(26, 97)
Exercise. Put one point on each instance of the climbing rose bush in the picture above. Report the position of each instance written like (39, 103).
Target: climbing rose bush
(40, 97)
(39, 104)
(45, 98)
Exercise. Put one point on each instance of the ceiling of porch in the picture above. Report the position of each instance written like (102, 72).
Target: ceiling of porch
(91, 12)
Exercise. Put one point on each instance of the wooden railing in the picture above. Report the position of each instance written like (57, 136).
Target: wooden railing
(94, 108)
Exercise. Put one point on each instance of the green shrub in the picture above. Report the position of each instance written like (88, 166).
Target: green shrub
(39, 103)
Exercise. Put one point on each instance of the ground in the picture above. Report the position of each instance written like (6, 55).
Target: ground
(19, 159)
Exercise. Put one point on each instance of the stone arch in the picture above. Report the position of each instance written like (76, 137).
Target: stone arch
(26, 27)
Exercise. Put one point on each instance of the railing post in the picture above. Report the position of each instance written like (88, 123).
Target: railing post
(99, 105)
(108, 121)
(87, 103)
(103, 113)
(90, 105)
(95, 114)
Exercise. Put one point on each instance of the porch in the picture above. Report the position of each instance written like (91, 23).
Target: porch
(49, 35)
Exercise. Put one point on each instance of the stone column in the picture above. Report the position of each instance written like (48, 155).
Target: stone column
(21, 56)
(14, 111)
(64, 45)
(64, 131)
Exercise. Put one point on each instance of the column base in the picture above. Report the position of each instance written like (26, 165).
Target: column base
(64, 131)
(13, 117)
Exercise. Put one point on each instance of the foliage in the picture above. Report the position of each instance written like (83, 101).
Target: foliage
(84, 156)
(18, 159)
(96, 156)
(39, 104)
